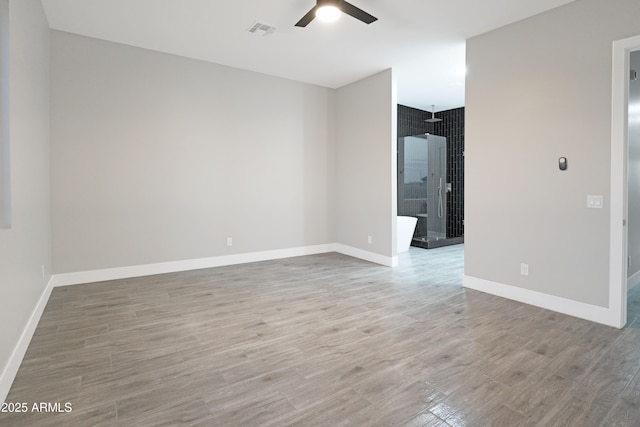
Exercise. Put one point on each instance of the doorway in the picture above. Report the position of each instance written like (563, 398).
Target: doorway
(620, 238)
(448, 206)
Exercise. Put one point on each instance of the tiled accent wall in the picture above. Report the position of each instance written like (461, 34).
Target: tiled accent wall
(411, 121)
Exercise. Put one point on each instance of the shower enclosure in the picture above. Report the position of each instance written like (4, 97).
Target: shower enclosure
(422, 186)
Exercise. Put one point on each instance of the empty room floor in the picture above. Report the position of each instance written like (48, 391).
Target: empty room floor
(322, 340)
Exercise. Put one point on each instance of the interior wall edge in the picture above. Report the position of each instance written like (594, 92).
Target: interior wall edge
(603, 315)
(25, 248)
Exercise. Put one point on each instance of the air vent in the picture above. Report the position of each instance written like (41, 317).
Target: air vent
(262, 29)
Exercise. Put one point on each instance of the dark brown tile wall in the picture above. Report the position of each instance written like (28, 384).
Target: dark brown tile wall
(411, 121)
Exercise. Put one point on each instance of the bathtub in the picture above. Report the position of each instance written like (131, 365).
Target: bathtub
(406, 225)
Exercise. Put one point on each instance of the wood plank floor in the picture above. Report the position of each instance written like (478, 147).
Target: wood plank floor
(323, 340)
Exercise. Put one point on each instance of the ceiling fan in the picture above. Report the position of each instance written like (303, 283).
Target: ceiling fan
(333, 8)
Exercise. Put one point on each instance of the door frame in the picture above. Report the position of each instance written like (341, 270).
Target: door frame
(619, 193)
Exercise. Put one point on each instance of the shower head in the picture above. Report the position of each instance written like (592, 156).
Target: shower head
(433, 118)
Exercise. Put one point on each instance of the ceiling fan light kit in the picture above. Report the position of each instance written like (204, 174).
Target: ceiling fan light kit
(330, 10)
(328, 13)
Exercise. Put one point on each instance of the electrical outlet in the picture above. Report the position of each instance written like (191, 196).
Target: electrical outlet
(524, 269)
(229, 241)
(370, 239)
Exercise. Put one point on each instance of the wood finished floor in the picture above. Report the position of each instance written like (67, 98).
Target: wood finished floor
(323, 340)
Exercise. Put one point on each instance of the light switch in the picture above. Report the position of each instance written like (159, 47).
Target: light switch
(595, 202)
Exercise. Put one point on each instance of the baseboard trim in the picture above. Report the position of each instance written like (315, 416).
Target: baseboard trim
(106, 274)
(91, 276)
(366, 255)
(573, 308)
(633, 281)
(11, 369)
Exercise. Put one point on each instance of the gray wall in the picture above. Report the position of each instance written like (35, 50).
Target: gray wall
(160, 158)
(365, 186)
(26, 246)
(5, 176)
(538, 90)
(634, 173)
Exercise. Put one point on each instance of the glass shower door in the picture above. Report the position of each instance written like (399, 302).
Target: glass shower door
(422, 173)
(437, 188)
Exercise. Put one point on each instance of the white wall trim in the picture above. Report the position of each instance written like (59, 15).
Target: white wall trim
(11, 369)
(582, 310)
(618, 213)
(116, 273)
(389, 261)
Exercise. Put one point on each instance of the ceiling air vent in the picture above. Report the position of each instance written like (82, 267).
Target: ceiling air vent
(262, 29)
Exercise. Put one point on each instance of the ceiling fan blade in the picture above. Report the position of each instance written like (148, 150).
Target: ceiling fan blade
(357, 13)
(307, 18)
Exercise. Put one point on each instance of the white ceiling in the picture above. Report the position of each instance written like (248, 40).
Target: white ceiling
(423, 40)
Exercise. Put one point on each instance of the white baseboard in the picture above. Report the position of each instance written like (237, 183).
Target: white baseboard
(633, 281)
(102, 275)
(582, 310)
(366, 255)
(185, 265)
(11, 369)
